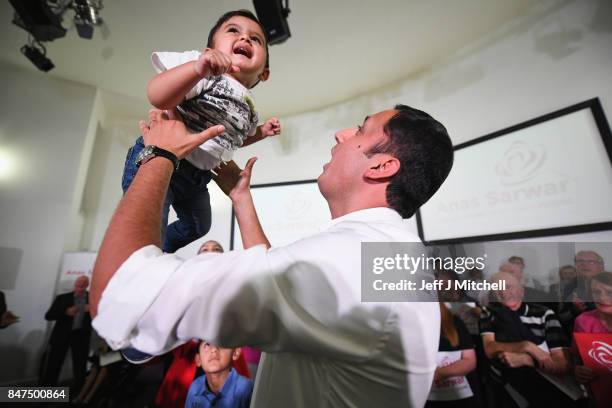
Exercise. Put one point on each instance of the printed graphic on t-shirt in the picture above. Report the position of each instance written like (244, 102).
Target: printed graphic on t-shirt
(222, 102)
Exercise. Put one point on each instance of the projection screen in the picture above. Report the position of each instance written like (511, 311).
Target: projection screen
(549, 176)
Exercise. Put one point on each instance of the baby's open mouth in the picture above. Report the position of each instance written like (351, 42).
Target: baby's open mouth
(243, 51)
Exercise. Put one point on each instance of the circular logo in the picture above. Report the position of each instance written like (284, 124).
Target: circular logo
(297, 205)
(602, 353)
(520, 163)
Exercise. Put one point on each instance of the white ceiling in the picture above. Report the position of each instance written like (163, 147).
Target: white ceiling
(339, 48)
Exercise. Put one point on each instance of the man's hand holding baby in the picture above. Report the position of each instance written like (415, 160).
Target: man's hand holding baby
(169, 134)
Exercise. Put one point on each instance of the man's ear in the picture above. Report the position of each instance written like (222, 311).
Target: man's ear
(236, 354)
(264, 75)
(198, 360)
(383, 166)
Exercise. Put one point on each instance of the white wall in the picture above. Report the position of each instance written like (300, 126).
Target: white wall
(43, 127)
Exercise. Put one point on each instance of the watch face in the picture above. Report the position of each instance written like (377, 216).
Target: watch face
(144, 154)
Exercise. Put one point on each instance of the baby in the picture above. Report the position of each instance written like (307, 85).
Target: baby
(208, 88)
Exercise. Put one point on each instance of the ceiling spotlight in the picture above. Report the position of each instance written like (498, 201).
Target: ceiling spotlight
(84, 30)
(42, 19)
(37, 54)
(86, 16)
(38, 18)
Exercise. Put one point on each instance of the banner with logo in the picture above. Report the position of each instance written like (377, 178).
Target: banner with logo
(527, 180)
(75, 264)
(596, 353)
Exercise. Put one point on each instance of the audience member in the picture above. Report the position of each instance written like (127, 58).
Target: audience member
(476, 276)
(6, 316)
(588, 265)
(562, 290)
(72, 329)
(220, 386)
(517, 269)
(210, 246)
(598, 320)
(456, 358)
(458, 301)
(519, 337)
(104, 364)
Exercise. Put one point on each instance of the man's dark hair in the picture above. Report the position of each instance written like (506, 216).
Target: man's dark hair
(515, 259)
(239, 13)
(425, 152)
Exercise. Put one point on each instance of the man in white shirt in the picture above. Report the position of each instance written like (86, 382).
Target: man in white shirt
(300, 303)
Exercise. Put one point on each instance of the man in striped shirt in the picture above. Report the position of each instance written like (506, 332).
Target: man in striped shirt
(522, 339)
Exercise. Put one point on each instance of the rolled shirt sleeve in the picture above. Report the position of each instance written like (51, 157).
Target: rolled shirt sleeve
(157, 301)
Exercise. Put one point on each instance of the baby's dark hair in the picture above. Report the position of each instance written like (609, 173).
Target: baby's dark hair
(240, 13)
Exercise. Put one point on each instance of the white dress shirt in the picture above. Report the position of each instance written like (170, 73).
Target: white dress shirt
(300, 303)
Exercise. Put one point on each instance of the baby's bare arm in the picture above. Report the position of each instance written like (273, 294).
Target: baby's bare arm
(271, 127)
(168, 88)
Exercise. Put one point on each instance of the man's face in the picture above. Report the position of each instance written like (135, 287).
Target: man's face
(345, 171)
(215, 359)
(512, 295)
(567, 274)
(244, 42)
(80, 285)
(588, 264)
(210, 246)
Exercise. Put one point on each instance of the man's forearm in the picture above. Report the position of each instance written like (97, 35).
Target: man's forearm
(493, 348)
(135, 224)
(561, 359)
(251, 231)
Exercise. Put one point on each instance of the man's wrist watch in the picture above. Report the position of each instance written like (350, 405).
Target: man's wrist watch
(151, 151)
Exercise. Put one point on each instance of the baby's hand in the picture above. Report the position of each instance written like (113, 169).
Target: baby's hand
(271, 127)
(214, 63)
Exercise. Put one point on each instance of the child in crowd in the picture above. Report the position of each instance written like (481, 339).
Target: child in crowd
(208, 88)
(220, 386)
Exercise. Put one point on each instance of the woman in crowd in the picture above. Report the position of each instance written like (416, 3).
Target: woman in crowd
(456, 358)
(598, 320)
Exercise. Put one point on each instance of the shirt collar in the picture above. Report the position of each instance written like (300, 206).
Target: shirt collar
(226, 386)
(368, 214)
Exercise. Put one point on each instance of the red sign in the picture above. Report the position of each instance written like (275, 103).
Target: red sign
(596, 353)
